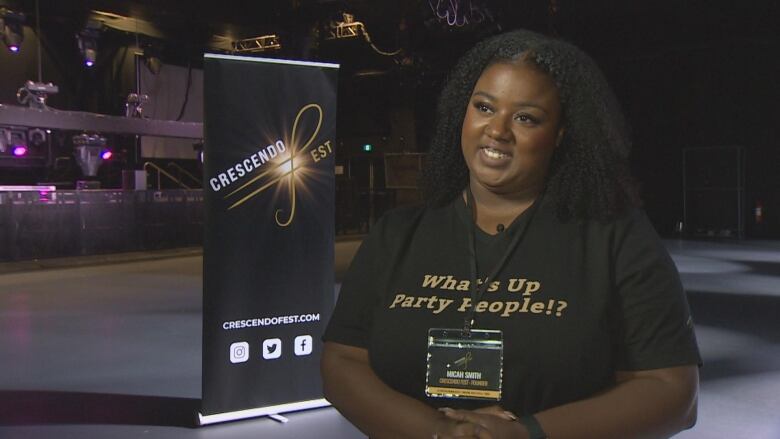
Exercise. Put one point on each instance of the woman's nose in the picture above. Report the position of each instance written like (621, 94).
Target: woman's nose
(498, 129)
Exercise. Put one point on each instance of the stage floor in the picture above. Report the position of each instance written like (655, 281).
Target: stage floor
(114, 350)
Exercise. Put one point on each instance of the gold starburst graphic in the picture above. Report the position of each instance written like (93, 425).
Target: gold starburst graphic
(293, 171)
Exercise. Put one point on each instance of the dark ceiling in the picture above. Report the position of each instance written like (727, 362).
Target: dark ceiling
(597, 25)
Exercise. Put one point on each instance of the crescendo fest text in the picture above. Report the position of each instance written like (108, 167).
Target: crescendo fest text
(246, 166)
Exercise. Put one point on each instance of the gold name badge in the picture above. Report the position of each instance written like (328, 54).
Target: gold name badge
(464, 366)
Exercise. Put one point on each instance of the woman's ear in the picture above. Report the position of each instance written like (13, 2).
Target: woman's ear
(561, 130)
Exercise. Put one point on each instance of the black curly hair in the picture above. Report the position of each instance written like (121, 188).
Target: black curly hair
(589, 175)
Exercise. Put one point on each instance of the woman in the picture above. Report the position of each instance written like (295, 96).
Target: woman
(532, 239)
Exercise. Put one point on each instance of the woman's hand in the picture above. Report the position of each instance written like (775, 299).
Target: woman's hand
(448, 428)
(487, 423)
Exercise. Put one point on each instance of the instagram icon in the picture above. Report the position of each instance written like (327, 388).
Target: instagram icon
(239, 352)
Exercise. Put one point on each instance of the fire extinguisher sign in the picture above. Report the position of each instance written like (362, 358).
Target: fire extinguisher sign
(758, 212)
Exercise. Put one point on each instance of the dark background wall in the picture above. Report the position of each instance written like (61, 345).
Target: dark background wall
(688, 74)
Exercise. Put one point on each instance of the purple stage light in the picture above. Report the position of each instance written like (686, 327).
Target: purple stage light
(89, 63)
(20, 150)
(13, 48)
(106, 154)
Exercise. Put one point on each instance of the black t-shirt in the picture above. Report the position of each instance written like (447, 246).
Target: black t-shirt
(576, 301)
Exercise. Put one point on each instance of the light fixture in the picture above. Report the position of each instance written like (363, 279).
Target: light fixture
(151, 55)
(14, 140)
(11, 25)
(20, 150)
(87, 41)
(89, 151)
(106, 154)
(134, 104)
(36, 137)
(34, 94)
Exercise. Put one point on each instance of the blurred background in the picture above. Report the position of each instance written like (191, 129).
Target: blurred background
(697, 81)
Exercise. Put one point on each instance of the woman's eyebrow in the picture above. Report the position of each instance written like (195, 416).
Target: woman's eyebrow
(516, 104)
(484, 94)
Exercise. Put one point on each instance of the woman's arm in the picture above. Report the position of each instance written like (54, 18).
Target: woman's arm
(643, 404)
(379, 411)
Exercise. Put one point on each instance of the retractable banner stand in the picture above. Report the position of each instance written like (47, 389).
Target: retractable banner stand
(270, 128)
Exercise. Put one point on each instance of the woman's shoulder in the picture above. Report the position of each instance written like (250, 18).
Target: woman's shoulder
(628, 227)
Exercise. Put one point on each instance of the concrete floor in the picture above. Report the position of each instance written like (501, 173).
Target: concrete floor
(114, 350)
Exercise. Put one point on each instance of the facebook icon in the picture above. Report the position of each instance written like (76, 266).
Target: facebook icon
(302, 345)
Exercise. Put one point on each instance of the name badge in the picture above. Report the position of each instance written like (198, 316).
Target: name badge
(464, 367)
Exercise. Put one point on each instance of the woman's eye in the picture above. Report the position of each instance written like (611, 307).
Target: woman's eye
(525, 118)
(482, 108)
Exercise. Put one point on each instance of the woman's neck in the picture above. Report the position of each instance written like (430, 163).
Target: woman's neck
(494, 211)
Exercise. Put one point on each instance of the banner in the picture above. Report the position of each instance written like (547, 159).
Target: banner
(270, 130)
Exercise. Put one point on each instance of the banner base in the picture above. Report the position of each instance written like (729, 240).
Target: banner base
(262, 411)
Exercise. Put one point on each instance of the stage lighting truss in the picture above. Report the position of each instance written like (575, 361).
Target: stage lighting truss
(349, 28)
(87, 40)
(34, 94)
(12, 27)
(257, 44)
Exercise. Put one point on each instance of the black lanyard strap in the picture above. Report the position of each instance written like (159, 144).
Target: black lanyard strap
(478, 292)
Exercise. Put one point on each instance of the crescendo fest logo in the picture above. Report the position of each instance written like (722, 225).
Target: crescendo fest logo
(289, 166)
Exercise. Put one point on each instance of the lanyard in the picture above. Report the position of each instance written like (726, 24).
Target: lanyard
(478, 291)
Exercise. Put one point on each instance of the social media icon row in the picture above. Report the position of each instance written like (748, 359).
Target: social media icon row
(272, 348)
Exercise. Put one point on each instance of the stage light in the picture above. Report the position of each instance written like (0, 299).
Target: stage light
(134, 104)
(151, 52)
(153, 63)
(106, 154)
(89, 151)
(34, 94)
(368, 147)
(87, 41)
(12, 27)
(20, 150)
(14, 140)
(36, 137)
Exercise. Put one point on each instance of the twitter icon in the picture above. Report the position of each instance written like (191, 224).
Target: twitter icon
(272, 348)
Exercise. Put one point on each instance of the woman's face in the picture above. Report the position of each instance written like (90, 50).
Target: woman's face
(511, 128)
